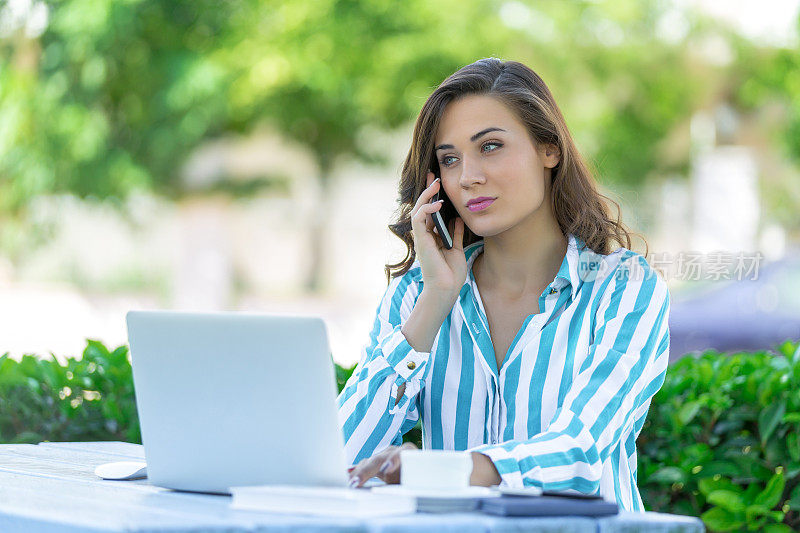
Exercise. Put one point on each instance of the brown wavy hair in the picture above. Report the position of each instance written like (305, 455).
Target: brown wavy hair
(578, 206)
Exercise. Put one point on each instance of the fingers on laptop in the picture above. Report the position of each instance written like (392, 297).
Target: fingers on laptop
(384, 465)
(367, 468)
(390, 468)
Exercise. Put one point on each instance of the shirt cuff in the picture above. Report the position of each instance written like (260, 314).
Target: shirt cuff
(405, 360)
(505, 463)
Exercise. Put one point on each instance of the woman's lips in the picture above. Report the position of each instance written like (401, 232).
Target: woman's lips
(480, 206)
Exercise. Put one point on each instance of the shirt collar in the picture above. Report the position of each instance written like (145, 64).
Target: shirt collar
(567, 273)
(569, 266)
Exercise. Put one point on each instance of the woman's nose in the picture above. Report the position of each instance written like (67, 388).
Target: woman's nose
(471, 173)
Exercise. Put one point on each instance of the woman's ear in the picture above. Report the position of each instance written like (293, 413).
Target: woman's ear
(551, 155)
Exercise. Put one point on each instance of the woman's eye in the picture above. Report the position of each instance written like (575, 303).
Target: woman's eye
(443, 161)
(491, 144)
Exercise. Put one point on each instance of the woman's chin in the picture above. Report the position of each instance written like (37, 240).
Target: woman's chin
(489, 231)
(484, 230)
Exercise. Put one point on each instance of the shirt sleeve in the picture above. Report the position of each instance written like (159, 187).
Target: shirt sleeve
(369, 418)
(622, 370)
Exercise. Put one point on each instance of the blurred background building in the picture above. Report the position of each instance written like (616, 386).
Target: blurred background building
(245, 156)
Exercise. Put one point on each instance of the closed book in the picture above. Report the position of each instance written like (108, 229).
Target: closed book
(320, 501)
(508, 505)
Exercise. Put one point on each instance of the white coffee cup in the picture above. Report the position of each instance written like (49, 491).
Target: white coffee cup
(435, 469)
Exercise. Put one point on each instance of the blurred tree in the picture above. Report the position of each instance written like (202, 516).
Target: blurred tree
(119, 94)
(111, 96)
(768, 87)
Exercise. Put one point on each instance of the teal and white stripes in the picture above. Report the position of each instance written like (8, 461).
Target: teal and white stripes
(565, 408)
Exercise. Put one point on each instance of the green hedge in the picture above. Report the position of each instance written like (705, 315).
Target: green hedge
(87, 399)
(720, 440)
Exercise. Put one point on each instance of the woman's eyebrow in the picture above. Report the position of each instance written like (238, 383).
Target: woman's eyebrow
(472, 139)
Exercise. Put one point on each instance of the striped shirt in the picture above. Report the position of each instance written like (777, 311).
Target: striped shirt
(564, 409)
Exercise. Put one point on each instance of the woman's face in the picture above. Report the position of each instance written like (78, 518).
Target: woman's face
(485, 151)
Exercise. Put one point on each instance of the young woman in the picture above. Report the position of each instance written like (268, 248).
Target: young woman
(532, 342)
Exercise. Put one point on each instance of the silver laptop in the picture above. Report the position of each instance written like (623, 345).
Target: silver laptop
(230, 399)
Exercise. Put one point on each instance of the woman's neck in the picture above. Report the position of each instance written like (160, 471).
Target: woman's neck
(523, 260)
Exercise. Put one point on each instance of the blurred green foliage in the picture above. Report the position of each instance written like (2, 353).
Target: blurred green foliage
(768, 86)
(114, 96)
(720, 440)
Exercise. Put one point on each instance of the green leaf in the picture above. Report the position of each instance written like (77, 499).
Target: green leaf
(769, 418)
(773, 493)
(709, 485)
(755, 525)
(753, 490)
(796, 356)
(777, 528)
(793, 470)
(119, 355)
(669, 475)
(786, 348)
(719, 519)
(754, 511)
(727, 500)
(793, 445)
(777, 516)
(723, 468)
(688, 412)
(794, 499)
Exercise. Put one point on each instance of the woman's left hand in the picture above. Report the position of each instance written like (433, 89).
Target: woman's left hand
(384, 465)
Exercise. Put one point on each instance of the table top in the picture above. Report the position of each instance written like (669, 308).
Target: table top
(52, 487)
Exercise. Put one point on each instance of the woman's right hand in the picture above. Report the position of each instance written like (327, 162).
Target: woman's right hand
(443, 270)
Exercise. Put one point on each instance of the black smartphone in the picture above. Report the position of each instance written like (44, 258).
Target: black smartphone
(445, 214)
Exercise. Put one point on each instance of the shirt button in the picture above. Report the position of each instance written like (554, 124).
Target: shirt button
(411, 365)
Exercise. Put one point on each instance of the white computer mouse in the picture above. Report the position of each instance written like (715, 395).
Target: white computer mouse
(122, 470)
